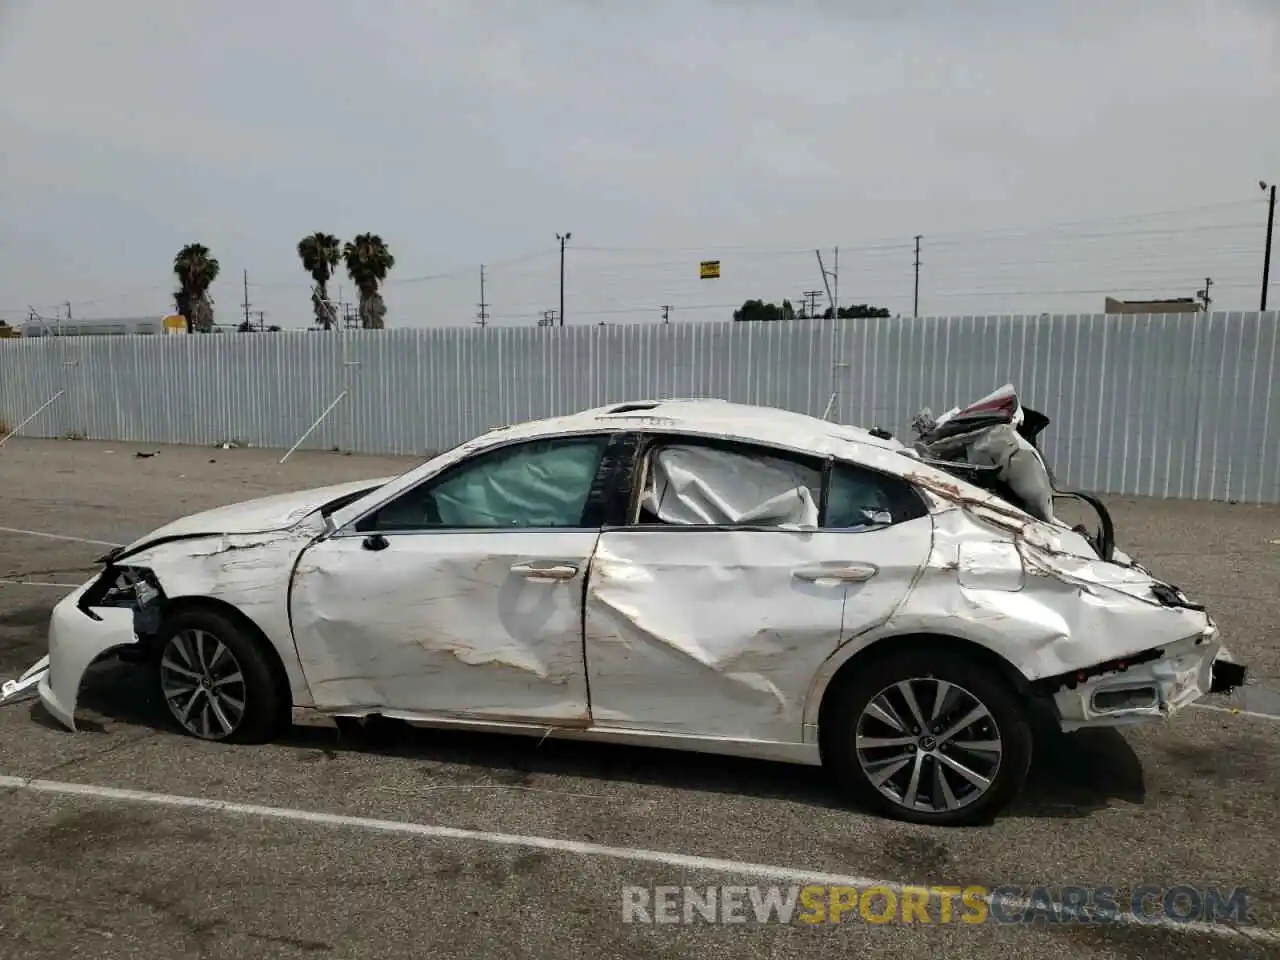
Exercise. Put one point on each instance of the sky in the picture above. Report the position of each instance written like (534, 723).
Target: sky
(1048, 153)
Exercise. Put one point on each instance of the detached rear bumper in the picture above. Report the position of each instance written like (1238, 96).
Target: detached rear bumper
(1152, 690)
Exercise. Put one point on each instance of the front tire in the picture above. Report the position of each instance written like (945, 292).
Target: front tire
(929, 737)
(215, 680)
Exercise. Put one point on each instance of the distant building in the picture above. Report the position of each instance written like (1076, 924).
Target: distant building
(1174, 305)
(97, 327)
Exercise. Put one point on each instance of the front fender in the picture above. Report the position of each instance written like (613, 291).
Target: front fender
(250, 573)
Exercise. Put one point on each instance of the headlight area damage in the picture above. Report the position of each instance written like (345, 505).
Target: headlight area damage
(110, 613)
(1104, 641)
(123, 610)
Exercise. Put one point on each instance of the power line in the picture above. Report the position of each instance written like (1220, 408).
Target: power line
(863, 251)
(954, 255)
(889, 243)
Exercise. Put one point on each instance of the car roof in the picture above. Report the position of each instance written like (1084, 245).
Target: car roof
(748, 423)
(709, 417)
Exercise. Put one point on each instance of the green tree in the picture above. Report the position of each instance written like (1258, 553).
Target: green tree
(759, 311)
(321, 253)
(368, 262)
(857, 311)
(196, 271)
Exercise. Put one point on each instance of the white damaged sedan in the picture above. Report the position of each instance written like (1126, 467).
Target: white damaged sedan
(691, 574)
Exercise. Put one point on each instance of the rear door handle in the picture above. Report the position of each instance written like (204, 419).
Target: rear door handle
(545, 573)
(837, 573)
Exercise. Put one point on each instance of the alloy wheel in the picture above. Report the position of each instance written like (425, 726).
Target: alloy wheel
(928, 745)
(203, 684)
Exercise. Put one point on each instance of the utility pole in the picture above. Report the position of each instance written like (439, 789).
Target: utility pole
(666, 313)
(563, 240)
(1266, 257)
(246, 299)
(827, 276)
(812, 297)
(483, 316)
(835, 282)
(915, 300)
(68, 306)
(1204, 294)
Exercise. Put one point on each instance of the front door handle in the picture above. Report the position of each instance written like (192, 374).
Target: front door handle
(545, 573)
(837, 573)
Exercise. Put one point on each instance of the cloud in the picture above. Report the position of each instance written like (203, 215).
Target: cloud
(471, 131)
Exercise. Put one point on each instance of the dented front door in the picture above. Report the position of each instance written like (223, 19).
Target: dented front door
(472, 624)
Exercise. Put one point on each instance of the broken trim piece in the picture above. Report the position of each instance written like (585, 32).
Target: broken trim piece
(12, 691)
(1074, 678)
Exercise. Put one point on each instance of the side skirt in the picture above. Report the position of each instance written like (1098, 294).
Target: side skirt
(805, 754)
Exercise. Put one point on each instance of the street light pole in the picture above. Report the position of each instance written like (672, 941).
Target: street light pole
(563, 240)
(1266, 257)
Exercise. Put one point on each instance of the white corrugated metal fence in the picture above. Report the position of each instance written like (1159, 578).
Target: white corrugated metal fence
(1173, 405)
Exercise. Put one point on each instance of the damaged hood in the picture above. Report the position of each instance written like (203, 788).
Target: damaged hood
(262, 515)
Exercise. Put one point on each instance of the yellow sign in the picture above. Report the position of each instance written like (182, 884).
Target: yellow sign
(709, 270)
(175, 323)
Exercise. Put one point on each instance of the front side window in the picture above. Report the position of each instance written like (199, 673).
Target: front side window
(543, 483)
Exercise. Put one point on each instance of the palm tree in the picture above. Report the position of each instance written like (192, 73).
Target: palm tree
(321, 253)
(196, 271)
(368, 262)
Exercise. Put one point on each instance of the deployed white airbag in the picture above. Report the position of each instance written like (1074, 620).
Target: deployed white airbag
(1020, 467)
(697, 485)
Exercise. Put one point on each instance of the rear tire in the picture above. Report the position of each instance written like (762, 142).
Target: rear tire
(957, 762)
(216, 681)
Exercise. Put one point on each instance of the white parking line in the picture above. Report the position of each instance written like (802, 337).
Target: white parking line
(59, 536)
(40, 583)
(680, 861)
(1238, 711)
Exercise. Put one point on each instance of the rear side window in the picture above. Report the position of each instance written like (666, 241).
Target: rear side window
(858, 498)
(691, 484)
(699, 483)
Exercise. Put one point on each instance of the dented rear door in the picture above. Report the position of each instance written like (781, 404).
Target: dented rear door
(719, 633)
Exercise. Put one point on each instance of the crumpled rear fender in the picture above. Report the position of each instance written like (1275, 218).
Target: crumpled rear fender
(1044, 611)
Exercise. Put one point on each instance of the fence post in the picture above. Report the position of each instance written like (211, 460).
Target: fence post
(314, 423)
(39, 410)
(347, 364)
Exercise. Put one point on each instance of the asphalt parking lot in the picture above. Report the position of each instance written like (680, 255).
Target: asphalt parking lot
(449, 845)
